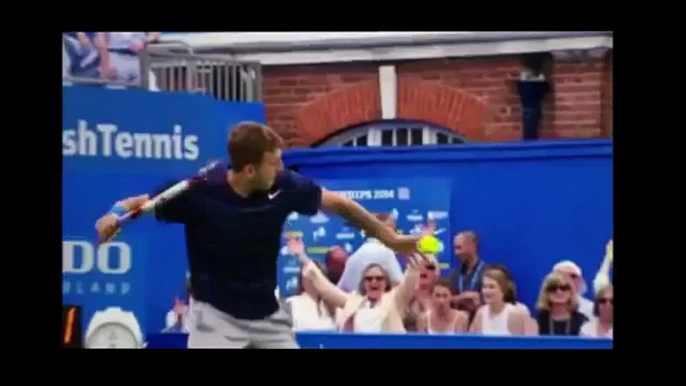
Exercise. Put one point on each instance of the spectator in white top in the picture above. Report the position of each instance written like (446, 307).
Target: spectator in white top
(440, 318)
(308, 309)
(371, 252)
(573, 272)
(603, 310)
(498, 316)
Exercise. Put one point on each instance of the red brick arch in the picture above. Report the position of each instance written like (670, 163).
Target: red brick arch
(359, 103)
(442, 105)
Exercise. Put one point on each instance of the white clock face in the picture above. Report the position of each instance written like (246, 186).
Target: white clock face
(111, 335)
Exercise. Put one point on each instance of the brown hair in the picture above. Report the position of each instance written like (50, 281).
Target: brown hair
(510, 296)
(442, 282)
(249, 141)
(502, 277)
(387, 278)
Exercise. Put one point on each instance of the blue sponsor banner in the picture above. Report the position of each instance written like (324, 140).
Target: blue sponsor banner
(408, 200)
(119, 143)
(326, 340)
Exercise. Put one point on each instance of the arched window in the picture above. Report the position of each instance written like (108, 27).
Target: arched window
(395, 132)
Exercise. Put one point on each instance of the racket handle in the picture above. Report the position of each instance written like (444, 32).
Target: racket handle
(128, 216)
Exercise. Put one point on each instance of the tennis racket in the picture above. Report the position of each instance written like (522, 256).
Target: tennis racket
(213, 172)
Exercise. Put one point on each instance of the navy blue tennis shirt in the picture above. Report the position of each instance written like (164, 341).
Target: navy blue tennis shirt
(233, 241)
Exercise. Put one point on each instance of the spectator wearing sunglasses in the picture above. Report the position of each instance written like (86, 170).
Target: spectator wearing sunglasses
(557, 307)
(603, 309)
(440, 318)
(573, 271)
(376, 306)
(499, 315)
(423, 296)
(371, 252)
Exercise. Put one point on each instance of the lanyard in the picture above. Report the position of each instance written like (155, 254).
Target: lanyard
(472, 283)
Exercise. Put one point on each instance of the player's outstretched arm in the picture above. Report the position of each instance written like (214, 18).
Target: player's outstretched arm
(361, 218)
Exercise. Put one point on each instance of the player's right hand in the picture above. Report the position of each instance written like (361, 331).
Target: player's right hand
(106, 226)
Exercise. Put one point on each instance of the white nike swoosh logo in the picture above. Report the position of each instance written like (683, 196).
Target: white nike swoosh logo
(272, 195)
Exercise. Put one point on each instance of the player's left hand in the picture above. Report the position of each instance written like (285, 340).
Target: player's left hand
(405, 244)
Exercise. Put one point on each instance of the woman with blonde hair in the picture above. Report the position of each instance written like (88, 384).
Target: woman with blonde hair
(499, 315)
(603, 309)
(375, 306)
(557, 307)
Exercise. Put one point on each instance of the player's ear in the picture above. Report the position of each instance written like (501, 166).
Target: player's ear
(250, 170)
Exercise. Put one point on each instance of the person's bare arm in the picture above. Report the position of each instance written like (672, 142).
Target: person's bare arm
(476, 324)
(530, 326)
(422, 324)
(331, 294)
(83, 39)
(361, 218)
(102, 42)
(462, 323)
(516, 323)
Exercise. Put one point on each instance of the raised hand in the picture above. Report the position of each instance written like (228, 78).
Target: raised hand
(296, 246)
(609, 251)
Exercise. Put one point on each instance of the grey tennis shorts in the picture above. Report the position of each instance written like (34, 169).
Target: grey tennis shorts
(212, 328)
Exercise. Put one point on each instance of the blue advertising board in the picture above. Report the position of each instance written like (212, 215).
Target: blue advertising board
(532, 203)
(408, 200)
(119, 143)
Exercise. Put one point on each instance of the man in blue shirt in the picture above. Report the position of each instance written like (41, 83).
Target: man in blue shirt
(233, 229)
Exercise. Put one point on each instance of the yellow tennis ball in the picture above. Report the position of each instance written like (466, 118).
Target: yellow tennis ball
(428, 245)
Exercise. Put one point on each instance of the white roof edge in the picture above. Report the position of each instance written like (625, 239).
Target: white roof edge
(433, 51)
(268, 41)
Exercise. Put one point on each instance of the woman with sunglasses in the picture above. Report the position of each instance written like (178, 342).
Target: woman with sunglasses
(557, 307)
(375, 306)
(603, 309)
(440, 317)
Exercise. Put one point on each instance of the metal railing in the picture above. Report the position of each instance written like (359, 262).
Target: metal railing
(173, 66)
(177, 68)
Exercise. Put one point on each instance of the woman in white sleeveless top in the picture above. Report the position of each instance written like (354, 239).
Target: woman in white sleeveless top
(440, 318)
(497, 316)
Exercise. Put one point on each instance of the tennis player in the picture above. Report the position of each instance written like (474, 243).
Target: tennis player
(233, 235)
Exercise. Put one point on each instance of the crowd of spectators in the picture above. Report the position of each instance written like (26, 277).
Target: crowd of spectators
(375, 295)
(369, 292)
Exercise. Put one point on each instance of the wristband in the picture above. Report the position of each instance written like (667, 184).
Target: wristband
(118, 210)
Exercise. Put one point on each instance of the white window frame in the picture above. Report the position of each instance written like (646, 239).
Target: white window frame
(374, 131)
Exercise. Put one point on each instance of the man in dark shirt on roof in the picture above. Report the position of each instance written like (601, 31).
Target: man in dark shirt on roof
(233, 227)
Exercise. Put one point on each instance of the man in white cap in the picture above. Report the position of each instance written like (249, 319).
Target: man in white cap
(573, 271)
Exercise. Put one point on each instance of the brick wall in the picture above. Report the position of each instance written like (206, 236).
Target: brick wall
(475, 97)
